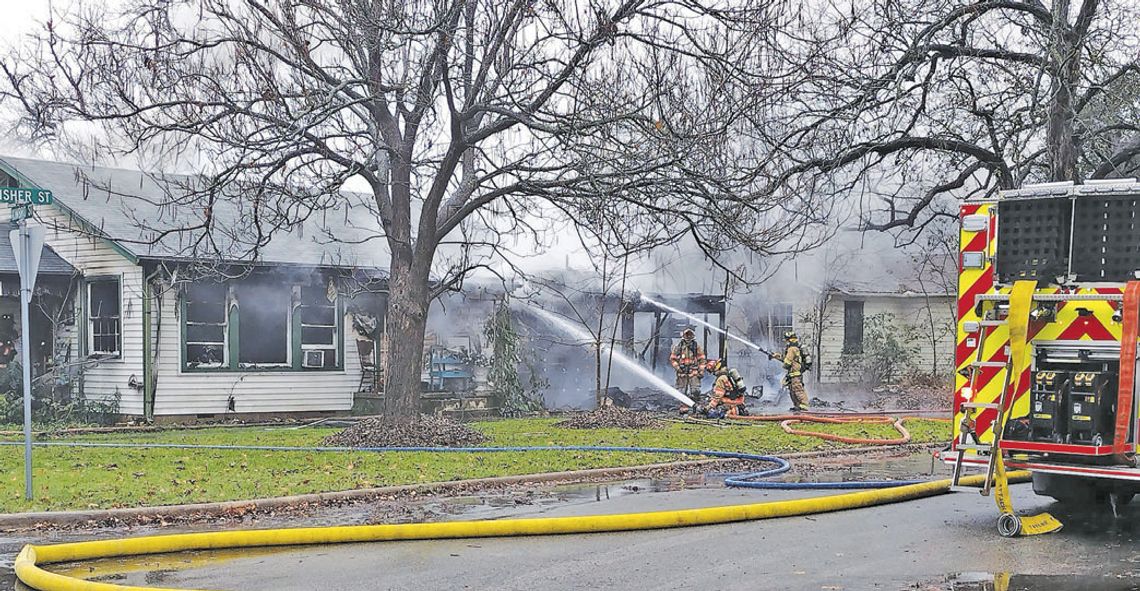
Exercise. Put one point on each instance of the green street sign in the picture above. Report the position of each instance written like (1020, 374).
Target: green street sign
(21, 195)
(21, 212)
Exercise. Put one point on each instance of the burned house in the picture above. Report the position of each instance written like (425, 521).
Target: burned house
(172, 335)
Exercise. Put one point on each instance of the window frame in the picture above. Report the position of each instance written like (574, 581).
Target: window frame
(89, 320)
(294, 346)
(337, 333)
(185, 324)
(770, 324)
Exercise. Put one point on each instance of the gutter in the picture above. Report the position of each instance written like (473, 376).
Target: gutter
(150, 346)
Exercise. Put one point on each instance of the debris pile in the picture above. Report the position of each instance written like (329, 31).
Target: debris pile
(611, 417)
(426, 431)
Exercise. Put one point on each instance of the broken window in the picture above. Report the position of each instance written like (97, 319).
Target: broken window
(319, 326)
(104, 326)
(782, 321)
(264, 309)
(774, 321)
(207, 325)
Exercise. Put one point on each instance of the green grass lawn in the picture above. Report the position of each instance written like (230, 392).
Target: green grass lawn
(78, 478)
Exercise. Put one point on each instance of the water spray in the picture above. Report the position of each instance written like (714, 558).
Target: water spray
(579, 333)
(673, 310)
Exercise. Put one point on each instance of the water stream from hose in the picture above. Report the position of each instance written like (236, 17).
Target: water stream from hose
(584, 338)
(673, 310)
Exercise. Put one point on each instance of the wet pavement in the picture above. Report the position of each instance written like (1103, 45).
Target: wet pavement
(942, 543)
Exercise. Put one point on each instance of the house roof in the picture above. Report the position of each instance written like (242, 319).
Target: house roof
(134, 210)
(876, 268)
(50, 262)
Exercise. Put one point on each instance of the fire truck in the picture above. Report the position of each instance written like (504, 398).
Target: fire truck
(1046, 373)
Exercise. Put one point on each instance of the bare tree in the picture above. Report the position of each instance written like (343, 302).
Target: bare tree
(472, 124)
(936, 273)
(821, 315)
(913, 103)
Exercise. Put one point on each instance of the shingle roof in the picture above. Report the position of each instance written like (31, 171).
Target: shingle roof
(50, 262)
(133, 208)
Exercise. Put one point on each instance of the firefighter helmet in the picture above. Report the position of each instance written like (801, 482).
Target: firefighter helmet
(688, 334)
(791, 336)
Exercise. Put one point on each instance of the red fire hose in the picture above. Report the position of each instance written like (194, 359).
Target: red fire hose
(786, 422)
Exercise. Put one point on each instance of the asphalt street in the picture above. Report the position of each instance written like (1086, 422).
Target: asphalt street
(945, 542)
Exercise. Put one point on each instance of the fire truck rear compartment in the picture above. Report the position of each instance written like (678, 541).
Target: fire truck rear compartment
(1072, 396)
(1074, 406)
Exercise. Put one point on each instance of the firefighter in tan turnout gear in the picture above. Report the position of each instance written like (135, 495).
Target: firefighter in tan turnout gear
(795, 362)
(688, 360)
(727, 399)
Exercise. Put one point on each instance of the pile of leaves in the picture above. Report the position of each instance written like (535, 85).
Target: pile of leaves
(611, 417)
(425, 431)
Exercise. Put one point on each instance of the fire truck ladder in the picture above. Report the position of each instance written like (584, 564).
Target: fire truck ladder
(991, 449)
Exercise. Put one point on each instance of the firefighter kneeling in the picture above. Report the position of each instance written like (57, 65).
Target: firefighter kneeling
(727, 399)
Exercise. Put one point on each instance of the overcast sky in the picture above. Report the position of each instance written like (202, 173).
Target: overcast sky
(22, 17)
(19, 16)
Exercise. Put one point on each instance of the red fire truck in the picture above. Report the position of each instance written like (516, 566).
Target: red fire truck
(1068, 413)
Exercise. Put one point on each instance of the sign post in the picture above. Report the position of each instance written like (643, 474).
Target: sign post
(28, 243)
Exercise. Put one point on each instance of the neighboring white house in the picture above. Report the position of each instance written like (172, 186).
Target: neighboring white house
(837, 305)
(174, 338)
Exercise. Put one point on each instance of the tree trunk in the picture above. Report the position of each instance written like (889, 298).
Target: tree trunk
(406, 320)
(1064, 69)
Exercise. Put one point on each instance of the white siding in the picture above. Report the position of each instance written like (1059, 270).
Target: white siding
(190, 393)
(910, 311)
(93, 257)
(180, 393)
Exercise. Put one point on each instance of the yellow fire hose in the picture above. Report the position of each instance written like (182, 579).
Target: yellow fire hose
(1009, 523)
(27, 565)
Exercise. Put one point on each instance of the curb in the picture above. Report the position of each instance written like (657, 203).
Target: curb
(34, 520)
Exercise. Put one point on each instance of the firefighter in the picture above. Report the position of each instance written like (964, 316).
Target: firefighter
(688, 360)
(728, 391)
(794, 364)
(8, 336)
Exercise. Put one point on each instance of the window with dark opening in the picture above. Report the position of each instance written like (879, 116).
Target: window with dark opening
(782, 321)
(318, 327)
(263, 323)
(774, 321)
(852, 326)
(207, 325)
(104, 326)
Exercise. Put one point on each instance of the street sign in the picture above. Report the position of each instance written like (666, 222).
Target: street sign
(34, 244)
(27, 244)
(21, 212)
(22, 195)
